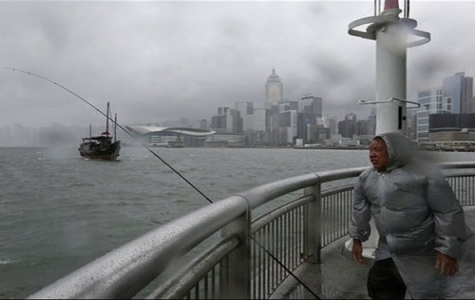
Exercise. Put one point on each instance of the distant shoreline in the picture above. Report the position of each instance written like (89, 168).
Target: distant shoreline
(333, 148)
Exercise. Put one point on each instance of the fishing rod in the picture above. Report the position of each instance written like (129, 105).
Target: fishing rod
(117, 124)
(163, 161)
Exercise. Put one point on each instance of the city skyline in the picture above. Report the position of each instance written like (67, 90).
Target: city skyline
(181, 121)
(161, 60)
(58, 134)
(363, 114)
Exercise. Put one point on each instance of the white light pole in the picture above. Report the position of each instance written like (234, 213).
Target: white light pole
(391, 34)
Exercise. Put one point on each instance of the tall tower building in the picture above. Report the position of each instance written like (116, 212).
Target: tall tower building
(227, 120)
(274, 89)
(458, 89)
(347, 127)
(246, 110)
(310, 109)
(431, 102)
(311, 104)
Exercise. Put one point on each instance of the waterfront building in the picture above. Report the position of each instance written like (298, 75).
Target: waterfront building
(203, 124)
(371, 123)
(287, 122)
(226, 140)
(275, 121)
(288, 126)
(259, 119)
(274, 95)
(328, 122)
(306, 124)
(322, 134)
(432, 101)
(451, 127)
(272, 123)
(310, 104)
(454, 97)
(310, 110)
(458, 89)
(347, 127)
(361, 127)
(274, 89)
(287, 105)
(218, 122)
(170, 136)
(246, 111)
(227, 120)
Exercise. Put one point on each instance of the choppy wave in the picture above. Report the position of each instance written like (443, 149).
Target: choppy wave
(7, 261)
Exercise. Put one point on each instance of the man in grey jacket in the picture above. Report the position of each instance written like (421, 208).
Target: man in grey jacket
(420, 223)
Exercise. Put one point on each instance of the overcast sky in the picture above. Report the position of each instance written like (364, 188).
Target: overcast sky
(157, 60)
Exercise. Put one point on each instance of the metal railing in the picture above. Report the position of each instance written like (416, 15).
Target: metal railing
(222, 251)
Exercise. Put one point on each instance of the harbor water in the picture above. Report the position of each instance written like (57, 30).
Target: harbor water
(59, 211)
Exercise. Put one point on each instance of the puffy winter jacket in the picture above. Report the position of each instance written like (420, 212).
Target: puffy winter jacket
(414, 208)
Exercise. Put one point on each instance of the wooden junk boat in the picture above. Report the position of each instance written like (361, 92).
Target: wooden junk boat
(102, 146)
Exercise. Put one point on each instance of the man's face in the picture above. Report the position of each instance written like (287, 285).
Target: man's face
(378, 154)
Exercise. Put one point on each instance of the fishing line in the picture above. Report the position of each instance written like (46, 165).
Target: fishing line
(284, 267)
(163, 161)
(117, 124)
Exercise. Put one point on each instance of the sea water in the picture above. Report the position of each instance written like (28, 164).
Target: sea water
(59, 211)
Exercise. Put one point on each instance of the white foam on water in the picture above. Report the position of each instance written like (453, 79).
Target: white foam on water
(7, 261)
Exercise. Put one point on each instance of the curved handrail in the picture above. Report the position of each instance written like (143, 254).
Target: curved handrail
(182, 281)
(263, 193)
(124, 271)
(138, 262)
(457, 165)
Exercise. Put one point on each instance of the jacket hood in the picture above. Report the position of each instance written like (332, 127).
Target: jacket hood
(401, 150)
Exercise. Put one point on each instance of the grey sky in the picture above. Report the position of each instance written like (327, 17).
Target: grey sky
(158, 60)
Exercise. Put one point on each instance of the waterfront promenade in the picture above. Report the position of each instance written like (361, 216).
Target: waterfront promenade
(339, 277)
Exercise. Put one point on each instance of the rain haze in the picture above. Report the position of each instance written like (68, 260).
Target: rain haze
(157, 60)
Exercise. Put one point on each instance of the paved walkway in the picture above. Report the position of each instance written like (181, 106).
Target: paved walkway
(339, 277)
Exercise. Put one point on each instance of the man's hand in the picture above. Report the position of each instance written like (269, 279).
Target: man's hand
(357, 251)
(446, 264)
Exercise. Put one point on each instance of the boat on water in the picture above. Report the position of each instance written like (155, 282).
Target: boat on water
(177, 143)
(103, 146)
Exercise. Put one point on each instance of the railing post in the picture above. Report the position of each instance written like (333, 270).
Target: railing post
(239, 261)
(313, 225)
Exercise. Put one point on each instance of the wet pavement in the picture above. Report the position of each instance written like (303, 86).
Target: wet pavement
(339, 277)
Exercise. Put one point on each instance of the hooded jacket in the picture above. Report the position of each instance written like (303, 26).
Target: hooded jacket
(414, 208)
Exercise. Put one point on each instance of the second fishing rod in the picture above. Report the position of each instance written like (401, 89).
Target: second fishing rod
(114, 121)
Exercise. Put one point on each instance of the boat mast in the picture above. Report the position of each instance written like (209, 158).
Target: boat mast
(107, 118)
(115, 127)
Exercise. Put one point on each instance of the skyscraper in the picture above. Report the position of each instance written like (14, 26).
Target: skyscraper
(347, 127)
(310, 109)
(458, 89)
(274, 89)
(310, 104)
(227, 120)
(246, 110)
(431, 101)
